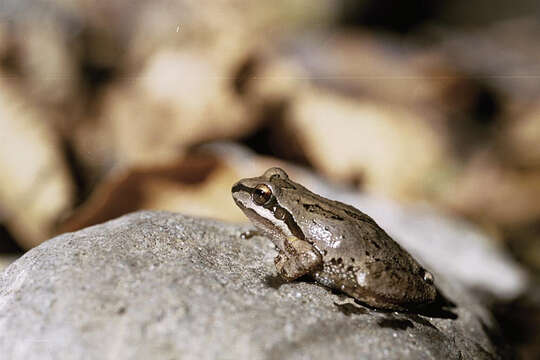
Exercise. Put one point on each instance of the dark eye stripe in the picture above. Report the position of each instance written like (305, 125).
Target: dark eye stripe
(240, 187)
(284, 215)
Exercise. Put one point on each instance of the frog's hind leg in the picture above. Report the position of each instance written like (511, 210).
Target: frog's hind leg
(298, 259)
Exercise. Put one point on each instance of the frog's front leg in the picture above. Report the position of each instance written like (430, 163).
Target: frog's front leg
(298, 258)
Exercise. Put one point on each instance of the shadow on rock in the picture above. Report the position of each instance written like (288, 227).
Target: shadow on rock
(440, 308)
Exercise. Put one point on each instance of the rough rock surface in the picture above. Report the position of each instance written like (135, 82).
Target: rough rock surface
(5, 260)
(165, 286)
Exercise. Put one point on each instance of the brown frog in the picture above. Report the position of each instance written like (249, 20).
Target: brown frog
(337, 244)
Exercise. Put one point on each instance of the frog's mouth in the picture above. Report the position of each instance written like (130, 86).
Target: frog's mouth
(239, 204)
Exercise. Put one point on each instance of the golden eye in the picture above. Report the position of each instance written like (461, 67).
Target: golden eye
(262, 194)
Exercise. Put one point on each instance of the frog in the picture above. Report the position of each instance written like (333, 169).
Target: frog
(335, 244)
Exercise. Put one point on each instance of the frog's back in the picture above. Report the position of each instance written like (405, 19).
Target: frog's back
(374, 269)
(362, 260)
(345, 232)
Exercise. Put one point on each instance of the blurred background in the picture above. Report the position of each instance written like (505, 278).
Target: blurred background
(107, 107)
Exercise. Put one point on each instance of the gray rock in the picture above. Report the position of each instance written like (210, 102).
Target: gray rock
(166, 286)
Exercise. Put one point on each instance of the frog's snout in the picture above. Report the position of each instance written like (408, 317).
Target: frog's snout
(239, 193)
(235, 188)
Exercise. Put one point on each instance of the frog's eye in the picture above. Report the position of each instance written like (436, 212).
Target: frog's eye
(262, 194)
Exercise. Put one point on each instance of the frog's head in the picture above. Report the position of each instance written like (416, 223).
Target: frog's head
(259, 198)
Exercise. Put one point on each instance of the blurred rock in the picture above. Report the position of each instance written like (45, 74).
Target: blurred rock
(380, 120)
(433, 123)
(390, 150)
(181, 98)
(491, 192)
(47, 65)
(180, 70)
(363, 67)
(510, 46)
(468, 14)
(224, 26)
(36, 188)
(66, 54)
(162, 285)
(519, 138)
(198, 184)
(267, 80)
(524, 243)
(372, 65)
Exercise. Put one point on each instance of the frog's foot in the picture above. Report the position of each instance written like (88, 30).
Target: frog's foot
(298, 259)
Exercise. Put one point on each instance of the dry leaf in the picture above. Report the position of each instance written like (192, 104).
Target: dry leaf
(35, 187)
